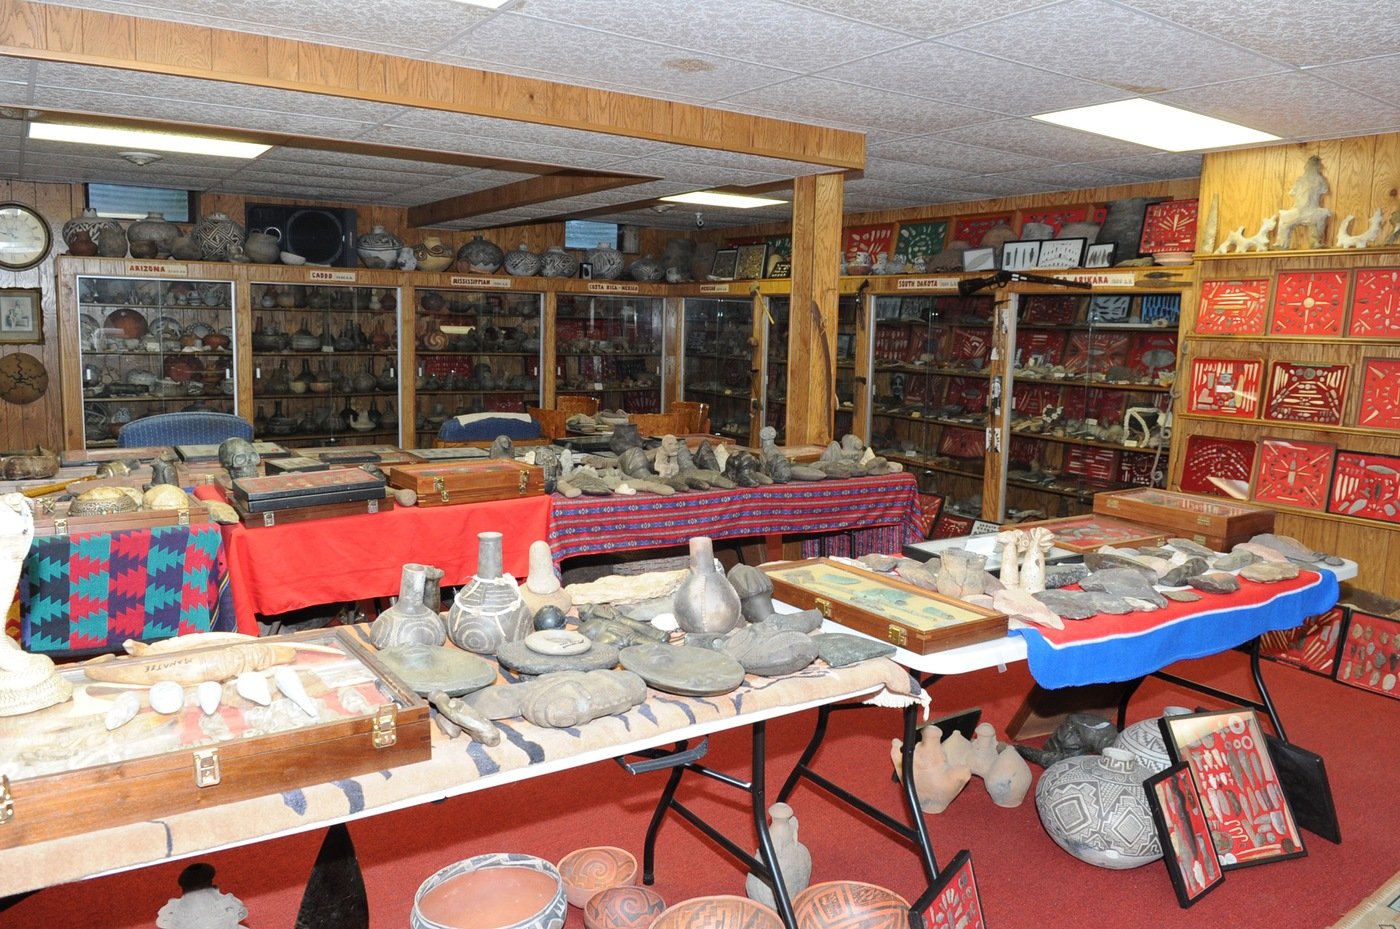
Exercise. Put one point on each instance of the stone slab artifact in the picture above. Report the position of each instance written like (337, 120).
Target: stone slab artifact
(1269, 572)
(426, 668)
(1215, 582)
(1123, 582)
(1062, 575)
(683, 669)
(557, 642)
(1192, 548)
(1233, 561)
(628, 588)
(769, 652)
(1069, 604)
(1192, 566)
(520, 658)
(562, 699)
(840, 649)
(1181, 596)
(802, 621)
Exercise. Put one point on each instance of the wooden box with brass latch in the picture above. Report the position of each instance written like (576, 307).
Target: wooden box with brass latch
(919, 620)
(66, 773)
(448, 483)
(51, 517)
(1214, 522)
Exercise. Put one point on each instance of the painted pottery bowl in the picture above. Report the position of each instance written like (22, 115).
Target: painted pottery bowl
(721, 911)
(505, 890)
(586, 871)
(849, 903)
(629, 907)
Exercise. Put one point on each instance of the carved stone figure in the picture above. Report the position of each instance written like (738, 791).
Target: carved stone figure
(239, 457)
(564, 698)
(1307, 211)
(542, 587)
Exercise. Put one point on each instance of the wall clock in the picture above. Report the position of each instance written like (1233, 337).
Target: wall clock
(25, 237)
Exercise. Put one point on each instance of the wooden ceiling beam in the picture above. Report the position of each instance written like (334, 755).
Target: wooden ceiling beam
(86, 37)
(521, 193)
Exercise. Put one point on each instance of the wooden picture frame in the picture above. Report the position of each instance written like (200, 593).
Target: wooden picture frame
(1020, 255)
(1101, 255)
(1188, 850)
(956, 899)
(751, 262)
(1227, 752)
(21, 316)
(1063, 253)
(725, 264)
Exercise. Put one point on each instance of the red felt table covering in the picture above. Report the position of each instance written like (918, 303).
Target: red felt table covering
(275, 569)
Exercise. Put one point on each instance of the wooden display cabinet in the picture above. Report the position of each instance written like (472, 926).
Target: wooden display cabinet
(609, 342)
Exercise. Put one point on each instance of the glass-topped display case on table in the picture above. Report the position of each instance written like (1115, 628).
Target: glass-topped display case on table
(475, 352)
(610, 347)
(148, 345)
(717, 364)
(325, 362)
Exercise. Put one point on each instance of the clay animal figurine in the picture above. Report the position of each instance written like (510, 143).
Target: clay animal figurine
(937, 781)
(1364, 238)
(1307, 211)
(1003, 771)
(1239, 242)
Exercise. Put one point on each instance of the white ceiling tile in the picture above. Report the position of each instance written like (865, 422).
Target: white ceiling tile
(1043, 140)
(1300, 32)
(1065, 177)
(1006, 185)
(1296, 105)
(1156, 165)
(941, 153)
(819, 100)
(946, 72)
(529, 133)
(1105, 42)
(922, 18)
(883, 169)
(804, 35)
(15, 69)
(1379, 77)
(586, 56)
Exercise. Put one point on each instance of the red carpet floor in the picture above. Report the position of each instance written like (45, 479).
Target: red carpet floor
(1025, 879)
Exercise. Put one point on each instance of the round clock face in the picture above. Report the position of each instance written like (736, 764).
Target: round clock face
(24, 237)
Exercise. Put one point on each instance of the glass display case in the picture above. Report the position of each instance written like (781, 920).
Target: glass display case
(152, 345)
(775, 369)
(325, 362)
(610, 347)
(477, 352)
(717, 365)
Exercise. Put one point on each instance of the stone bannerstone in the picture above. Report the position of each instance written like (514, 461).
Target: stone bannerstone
(1269, 572)
(1181, 596)
(1216, 582)
(520, 658)
(840, 649)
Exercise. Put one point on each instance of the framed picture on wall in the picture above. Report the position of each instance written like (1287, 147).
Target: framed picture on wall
(750, 261)
(21, 316)
(1100, 255)
(1018, 256)
(725, 264)
(1062, 253)
(979, 259)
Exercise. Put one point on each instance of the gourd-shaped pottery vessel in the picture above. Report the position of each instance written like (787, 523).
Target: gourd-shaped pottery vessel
(556, 262)
(606, 261)
(214, 235)
(646, 268)
(522, 262)
(480, 256)
(264, 246)
(794, 859)
(155, 229)
(82, 244)
(488, 612)
(410, 621)
(88, 221)
(937, 779)
(1095, 808)
(705, 601)
(433, 254)
(378, 248)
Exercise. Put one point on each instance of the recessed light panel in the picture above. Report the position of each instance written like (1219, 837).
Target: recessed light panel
(715, 198)
(141, 139)
(1156, 125)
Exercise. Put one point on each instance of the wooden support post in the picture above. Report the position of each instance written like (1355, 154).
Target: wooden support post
(816, 243)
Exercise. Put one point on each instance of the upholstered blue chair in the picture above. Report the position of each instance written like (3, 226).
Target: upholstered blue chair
(196, 427)
(484, 427)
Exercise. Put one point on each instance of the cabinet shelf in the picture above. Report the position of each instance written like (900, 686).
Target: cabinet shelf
(979, 423)
(924, 369)
(1273, 424)
(1087, 443)
(930, 464)
(317, 353)
(1094, 385)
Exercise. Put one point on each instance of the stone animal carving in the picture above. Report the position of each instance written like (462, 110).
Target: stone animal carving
(1079, 734)
(1364, 238)
(1307, 193)
(1237, 241)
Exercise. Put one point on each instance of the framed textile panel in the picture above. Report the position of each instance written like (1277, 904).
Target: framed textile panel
(920, 239)
(1309, 303)
(1233, 307)
(1225, 386)
(1051, 309)
(1294, 473)
(1375, 304)
(1366, 485)
(1187, 847)
(1243, 803)
(1169, 226)
(1039, 346)
(973, 228)
(1370, 654)
(1095, 352)
(1210, 457)
(873, 240)
(1307, 393)
(1312, 646)
(957, 904)
(1380, 394)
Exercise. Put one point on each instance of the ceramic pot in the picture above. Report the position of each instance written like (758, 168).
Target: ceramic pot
(705, 601)
(1095, 808)
(82, 244)
(629, 907)
(185, 248)
(409, 621)
(433, 254)
(215, 235)
(833, 904)
(88, 221)
(1143, 740)
(155, 231)
(111, 241)
(143, 249)
(522, 262)
(378, 248)
(264, 247)
(129, 322)
(646, 268)
(497, 891)
(718, 911)
(488, 611)
(556, 262)
(607, 262)
(586, 871)
(480, 256)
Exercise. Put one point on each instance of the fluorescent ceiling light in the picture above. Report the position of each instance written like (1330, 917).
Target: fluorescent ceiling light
(1157, 125)
(715, 198)
(145, 140)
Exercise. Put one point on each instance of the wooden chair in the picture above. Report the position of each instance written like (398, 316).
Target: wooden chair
(660, 423)
(697, 415)
(552, 422)
(577, 403)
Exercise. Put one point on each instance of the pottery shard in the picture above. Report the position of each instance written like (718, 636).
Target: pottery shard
(1181, 596)
(840, 649)
(1123, 582)
(1233, 561)
(1216, 582)
(1189, 568)
(920, 575)
(1191, 548)
(1269, 572)
(1068, 604)
(1023, 605)
(769, 653)
(1062, 575)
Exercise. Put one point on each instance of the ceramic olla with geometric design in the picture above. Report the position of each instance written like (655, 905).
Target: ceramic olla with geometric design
(1095, 808)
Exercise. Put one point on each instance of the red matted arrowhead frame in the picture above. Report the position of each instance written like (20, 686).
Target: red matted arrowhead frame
(1209, 456)
(1367, 486)
(1375, 304)
(1309, 303)
(1225, 386)
(1380, 394)
(972, 229)
(1169, 226)
(1294, 473)
(1307, 393)
(873, 240)
(1233, 307)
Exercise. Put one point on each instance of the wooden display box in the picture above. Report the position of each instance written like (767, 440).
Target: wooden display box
(307, 488)
(53, 519)
(62, 780)
(210, 452)
(1091, 531)
(1210, 521)
(448, 483)
(910, 617)
(301, 514)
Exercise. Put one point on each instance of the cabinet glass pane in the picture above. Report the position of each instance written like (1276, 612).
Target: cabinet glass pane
(325, 363)
(477, 352)
(610, 348)
(718, 360)
(152, 345)
(776, 367)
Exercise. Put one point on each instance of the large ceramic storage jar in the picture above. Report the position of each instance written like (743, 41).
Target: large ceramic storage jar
(556, 262)
(479, 256)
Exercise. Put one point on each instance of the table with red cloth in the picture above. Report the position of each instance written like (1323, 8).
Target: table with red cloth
(597, 525)
(276, 569)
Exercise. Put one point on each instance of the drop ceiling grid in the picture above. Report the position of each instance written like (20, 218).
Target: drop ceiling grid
(1378, 77)
(1296, 105)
